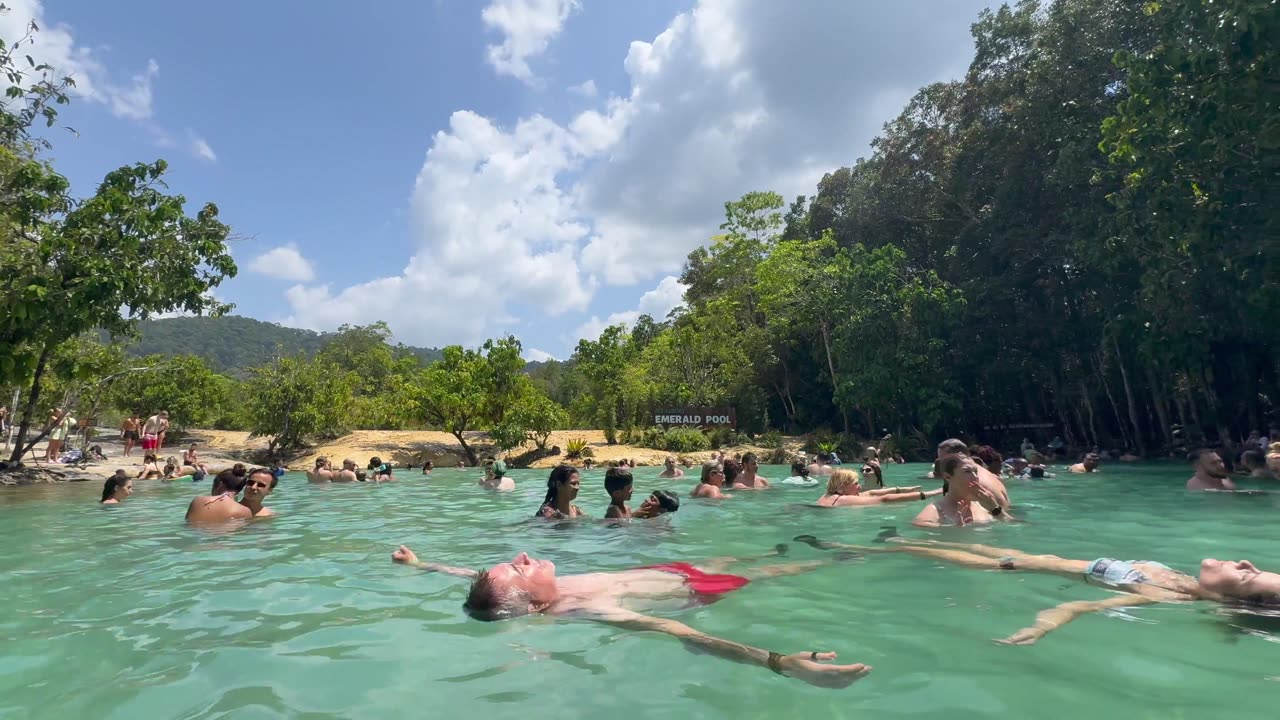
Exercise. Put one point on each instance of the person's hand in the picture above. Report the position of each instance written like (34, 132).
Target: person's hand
(811, 668)
(1025, 636)
(404, 555)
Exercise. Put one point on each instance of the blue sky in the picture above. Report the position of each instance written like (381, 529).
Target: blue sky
(467, 169)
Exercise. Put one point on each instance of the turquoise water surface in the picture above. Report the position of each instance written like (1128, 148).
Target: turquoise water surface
(123, 612)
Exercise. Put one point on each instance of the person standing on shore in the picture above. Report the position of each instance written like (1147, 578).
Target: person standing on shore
(129, 432)
(151, 430)
(60, 423)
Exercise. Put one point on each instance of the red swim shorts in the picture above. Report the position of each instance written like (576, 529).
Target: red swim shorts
(708, 586)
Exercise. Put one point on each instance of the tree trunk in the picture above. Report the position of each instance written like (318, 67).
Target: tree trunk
(1088, 406)
(471, 454)
(19, 446)
(1115, 408)
(1157, 398)
(1133, 406)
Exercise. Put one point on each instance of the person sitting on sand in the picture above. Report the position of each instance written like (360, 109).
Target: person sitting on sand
(150, 468)
(525, 586)
(965, 500)
(821, 467)
(322, 472)
(1235, 583)
(495, 477)
(618, 483)
(1089, 463)
(220, 505)
(799, 475)
(1210, 471)
(191, 458)
(116, 489)
(990, 481)
(748, 479)
(669, 469)
(659, 502)
(257, 486)
(844, 489)
(711, 483)
(562, 487)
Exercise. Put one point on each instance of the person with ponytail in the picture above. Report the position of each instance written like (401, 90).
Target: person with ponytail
(116, 489)
(562, 488)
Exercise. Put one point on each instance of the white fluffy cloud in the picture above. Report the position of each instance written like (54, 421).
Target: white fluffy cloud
(55, 45)
(536, 355)
(657, 303)
(283, 263)
(529, 219)
(200, 148)
(527, 26)
(586, 89)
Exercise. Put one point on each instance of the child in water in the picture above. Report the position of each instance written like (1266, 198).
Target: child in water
(618, 483)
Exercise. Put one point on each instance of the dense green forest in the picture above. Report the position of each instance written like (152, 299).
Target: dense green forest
(1081, 234)
(231, 344)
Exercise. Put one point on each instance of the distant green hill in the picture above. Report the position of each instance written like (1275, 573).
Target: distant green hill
(232, 343)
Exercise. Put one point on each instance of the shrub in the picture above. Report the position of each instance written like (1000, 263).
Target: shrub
(777, 456)
(724, 437)
(771, 439)
(575, 448)
(685, 439)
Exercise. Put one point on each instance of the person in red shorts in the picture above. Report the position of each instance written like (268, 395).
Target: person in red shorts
(526, 585)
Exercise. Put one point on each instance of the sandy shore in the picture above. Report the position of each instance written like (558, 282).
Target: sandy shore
(213, 457)
(220, 449)
(413, 447)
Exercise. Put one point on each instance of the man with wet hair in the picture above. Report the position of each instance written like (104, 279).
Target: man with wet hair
(258, 484)
(987, 479)
(1210, 471)
(669, 469)
(525, 585)
(1089, 463)
(748, 479)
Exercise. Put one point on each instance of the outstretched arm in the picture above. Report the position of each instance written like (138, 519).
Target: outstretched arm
(807, 666)
(916, 496)
(1055, 617)
(893, 490)
(406, 556)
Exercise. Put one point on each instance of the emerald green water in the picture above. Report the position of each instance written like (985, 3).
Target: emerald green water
(122, 612)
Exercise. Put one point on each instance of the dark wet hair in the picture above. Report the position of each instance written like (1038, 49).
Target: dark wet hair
(731, 470)
(616, 479)
(1194, 456)
(109, 487)
(485, 602)
(1036, 472)
(667, 500)
(229, 481)
(239, 469)
(799, 469)
(952, 446)
(989, 457)
(560, 475)
(749, 458)
(874, 470)
(949, 463)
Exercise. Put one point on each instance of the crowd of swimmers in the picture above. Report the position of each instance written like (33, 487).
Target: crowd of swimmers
(973, 491)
